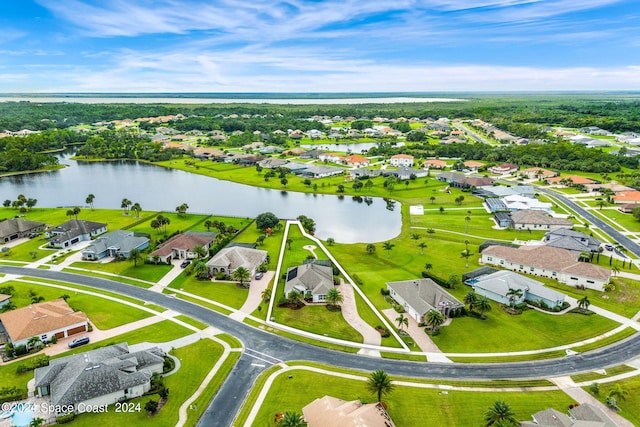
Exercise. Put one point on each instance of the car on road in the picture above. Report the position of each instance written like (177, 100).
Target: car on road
(259, 276)
(78, 342)
(609, 247)
(185, 264)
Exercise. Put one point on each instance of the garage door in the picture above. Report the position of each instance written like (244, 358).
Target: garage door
(77, 330)
(59, 334)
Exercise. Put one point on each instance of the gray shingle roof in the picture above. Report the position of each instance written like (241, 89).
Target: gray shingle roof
(312, 277)
(501, 281)
(13, 226)
(423, 294)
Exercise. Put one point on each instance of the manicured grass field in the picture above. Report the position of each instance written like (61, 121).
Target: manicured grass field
(407, 406)
(193, 322)
(531, 330)
(147, 272)
(103, 313)
(609, 372)
(629, 407)
(227, 293)
(182, 384)
(178, 223)
(616, 217)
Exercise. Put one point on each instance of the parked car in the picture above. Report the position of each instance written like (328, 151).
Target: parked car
(185, 264)
(609, 247)
(78, 342)
(259, 276)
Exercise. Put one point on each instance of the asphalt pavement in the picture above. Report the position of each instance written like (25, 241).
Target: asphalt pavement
(274, 348)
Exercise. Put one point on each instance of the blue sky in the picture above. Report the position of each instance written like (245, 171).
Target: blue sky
(319, 46)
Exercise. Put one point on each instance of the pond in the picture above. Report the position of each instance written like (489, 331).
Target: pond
(157, 188)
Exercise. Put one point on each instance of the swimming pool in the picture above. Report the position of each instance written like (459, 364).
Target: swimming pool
(23, 415)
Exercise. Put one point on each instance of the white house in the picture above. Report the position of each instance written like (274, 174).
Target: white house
(312, 280)
(496, 286)
(182, 246)
(538, 220)
(228, 259)
(547, 261)
(74, 231)
(401, 160)
(419, 296)
(43, 320)
(100, 377)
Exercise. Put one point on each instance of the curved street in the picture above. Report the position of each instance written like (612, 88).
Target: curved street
(263, 349)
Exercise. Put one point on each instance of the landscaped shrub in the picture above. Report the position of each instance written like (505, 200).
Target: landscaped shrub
(357, 279)
(151, 406)
(53, 339)
(220, 275)
(66, 418)
(20, 350)
(384, 291)
(168, 365)
(10, 394)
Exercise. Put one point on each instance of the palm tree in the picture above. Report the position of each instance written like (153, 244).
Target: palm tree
(291, 419)
(431, 231)
(584, 303)
(136, 208)
(295, 297)
(208, 224)
(135, 255)
(441, 209)
(388, 246)
(334, 298)
(433, 199)
(371, 248)
(483, 305)
(470, 299)
(466, 255)
(401, 320)
(266, 295)
(200, 270)
(125, 205)
(500, 414)
(89, 200)
(241, 274)
(415, 236)
(467, 220)
(34, 342)
(434, 319)
(428, 266)
(37, 422)
(200, 251)
(618, 393)
(379, 383)
(513, 295)
(260, 240)
(289, 242)
(182, 209)
(422, 246)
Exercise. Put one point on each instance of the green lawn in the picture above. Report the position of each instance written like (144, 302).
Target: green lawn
(609, 372)
(103, 313)
(182, 385)
(226, 293)
(407, 406)
(147, 272)
(178, 223)
(628, 407)
(193, 322)
(529, 331)
(616, 217)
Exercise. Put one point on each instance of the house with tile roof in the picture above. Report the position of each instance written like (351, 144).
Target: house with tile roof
(473, 166)
(356, 161)
(503, 168)
(434, 164)
(401, 160)
(329, 411)
(572, 179)
(538, 173)
(423, 295)
(571, 240)
(118, 243)
(626, 197)
(43, 320)
(546, 261)
(182, 246)
(11, 229)
(73, 231)
(4, 300)
(496, 286)
(538, 220)
(99, 377)
(228, 259)
(312, 280)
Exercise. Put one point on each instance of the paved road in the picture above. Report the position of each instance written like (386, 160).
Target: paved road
(224, 406)
(631, 246)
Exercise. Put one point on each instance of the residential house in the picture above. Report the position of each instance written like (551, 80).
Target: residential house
(4, 300)
(11, 229)
(456, 179)
(627, 197)
(504, 168)
(228, 259)
(364, 173)
(272, 163)
(477, 181)
(420, 296)
(547, 261)
(405, 173)
(503, 219)
(118, 243)
(329, 411)
(182, 246)
(473, 166)
(313, 280)
(43, 320)
(571, 240)
(434, 164)
(494, 204)
(207, 153)
(317, 171)
(401, 160)
(583, 415)
(538, 220)
(74, 231)
(496, 287)
(311, 154)
(503, 191)
(296, 167)
(570, 180)
(538, 173)
(100, 377)
(357, 161)
(628, 207)
(520, 203)
(329, 157)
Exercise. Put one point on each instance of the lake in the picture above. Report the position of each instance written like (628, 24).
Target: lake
(157, 188)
